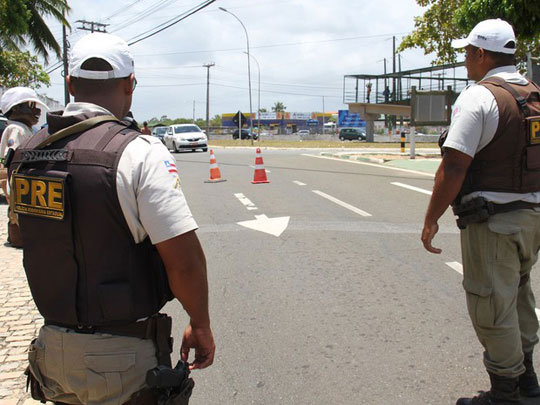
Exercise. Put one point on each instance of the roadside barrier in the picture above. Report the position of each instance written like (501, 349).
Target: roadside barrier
(215, 174)
(260, 172)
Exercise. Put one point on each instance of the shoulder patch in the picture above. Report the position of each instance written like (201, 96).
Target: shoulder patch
(171, 167)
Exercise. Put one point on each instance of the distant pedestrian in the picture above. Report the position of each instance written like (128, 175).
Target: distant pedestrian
(20, 106)
(489, 173)
(145, 130)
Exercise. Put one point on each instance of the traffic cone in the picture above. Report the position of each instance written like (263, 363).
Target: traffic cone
(215, 174)
(260, 173)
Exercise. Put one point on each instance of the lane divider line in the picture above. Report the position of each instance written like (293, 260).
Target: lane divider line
(244, 200)
(299, 183)
(457, 266)
(370, 164)
(413, 188)
(342, 203)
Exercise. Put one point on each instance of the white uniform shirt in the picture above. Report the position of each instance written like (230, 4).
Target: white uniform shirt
(475, 118)
(14, 135)
(148, 187)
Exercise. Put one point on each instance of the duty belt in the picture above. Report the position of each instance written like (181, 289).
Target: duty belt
(479, 209)
(157, 327)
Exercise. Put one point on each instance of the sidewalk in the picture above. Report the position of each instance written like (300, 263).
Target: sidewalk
(426, 160)
(19, 321)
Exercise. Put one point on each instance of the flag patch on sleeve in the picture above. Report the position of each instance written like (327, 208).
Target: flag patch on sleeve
(171, 167)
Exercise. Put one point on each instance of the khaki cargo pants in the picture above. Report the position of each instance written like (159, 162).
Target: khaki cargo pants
(78, 368)
(497, 255)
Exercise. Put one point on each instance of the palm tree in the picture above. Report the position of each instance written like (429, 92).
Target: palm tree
(27, 27)
(279, 107)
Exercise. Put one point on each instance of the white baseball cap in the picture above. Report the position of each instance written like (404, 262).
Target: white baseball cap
(491, 35)
(108, 47)
(19, 95)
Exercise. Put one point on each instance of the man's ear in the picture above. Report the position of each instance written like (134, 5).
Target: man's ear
(128, 85)
(70, 86)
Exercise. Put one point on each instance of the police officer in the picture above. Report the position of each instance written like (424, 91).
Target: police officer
(490, 165)
(20, 106)
(109, 239)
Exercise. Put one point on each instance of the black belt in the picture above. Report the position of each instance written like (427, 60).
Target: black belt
(142, 330)
(511, 206)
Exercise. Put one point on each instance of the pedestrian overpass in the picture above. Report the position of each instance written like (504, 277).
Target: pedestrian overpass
(390, 94)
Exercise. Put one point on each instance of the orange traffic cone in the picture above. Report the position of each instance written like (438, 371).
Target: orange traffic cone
(260, 173)
(215, 174)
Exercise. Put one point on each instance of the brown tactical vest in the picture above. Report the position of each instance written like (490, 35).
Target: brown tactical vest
(511, 161)
(82, 263)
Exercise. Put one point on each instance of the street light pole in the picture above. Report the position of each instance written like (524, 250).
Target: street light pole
(249, 71)
(258, 96)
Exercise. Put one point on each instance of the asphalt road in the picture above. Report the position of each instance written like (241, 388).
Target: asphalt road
(341, 307)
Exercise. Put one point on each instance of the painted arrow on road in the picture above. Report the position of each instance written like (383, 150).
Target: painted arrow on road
(272, 226)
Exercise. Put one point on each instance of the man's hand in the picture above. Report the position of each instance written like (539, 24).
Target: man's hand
(202, 340)
(428, 233)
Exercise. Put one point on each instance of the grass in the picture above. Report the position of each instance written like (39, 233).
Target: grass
(313, 144)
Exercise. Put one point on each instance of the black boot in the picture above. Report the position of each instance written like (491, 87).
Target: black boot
(528, 382)
(504, 391)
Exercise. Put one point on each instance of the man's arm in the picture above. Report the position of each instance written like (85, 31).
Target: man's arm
(448, 182)
(186, 270)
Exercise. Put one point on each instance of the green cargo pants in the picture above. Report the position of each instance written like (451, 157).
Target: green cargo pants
(497, 258)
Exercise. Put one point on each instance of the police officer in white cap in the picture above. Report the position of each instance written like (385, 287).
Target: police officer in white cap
(109, 239)
(20, 106)
(490, 174)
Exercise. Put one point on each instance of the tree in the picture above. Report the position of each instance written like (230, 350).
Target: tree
(21, 69)
(263, 110)
(279, 107)
(23, 24)
(446, 20)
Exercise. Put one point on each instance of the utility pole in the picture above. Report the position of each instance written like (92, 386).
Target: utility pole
(92, 26)
(194, 111)
(65, 60)
(208, 66)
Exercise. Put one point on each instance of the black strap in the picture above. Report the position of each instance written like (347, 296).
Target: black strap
(522, 101)
(512, 206)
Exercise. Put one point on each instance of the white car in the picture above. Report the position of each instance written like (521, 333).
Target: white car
(185, 136)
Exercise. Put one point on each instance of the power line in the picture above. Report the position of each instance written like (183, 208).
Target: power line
(274, 45)
(177, 19)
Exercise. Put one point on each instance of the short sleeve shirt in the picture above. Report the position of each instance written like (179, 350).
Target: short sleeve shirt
(148, 187)
(475, 118)
(14, 135)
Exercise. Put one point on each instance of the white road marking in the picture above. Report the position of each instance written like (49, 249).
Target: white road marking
(457, 266)
(299, 183)
(343, 204)
(272, 226)
(420, 190)
(244, 200)
(370, 164)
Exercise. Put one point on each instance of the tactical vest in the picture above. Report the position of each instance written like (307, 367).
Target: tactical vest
(511, 161)
(82, 263)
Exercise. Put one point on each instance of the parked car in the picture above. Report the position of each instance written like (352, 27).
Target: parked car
(159, 132)
(246, 134)
(351, 134)
(303, 132)
(185, 136)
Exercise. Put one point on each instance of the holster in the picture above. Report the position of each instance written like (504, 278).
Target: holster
(35, 388)
(473, 211)
(479, 210)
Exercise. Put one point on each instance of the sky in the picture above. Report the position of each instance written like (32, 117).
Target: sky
(304, 48)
